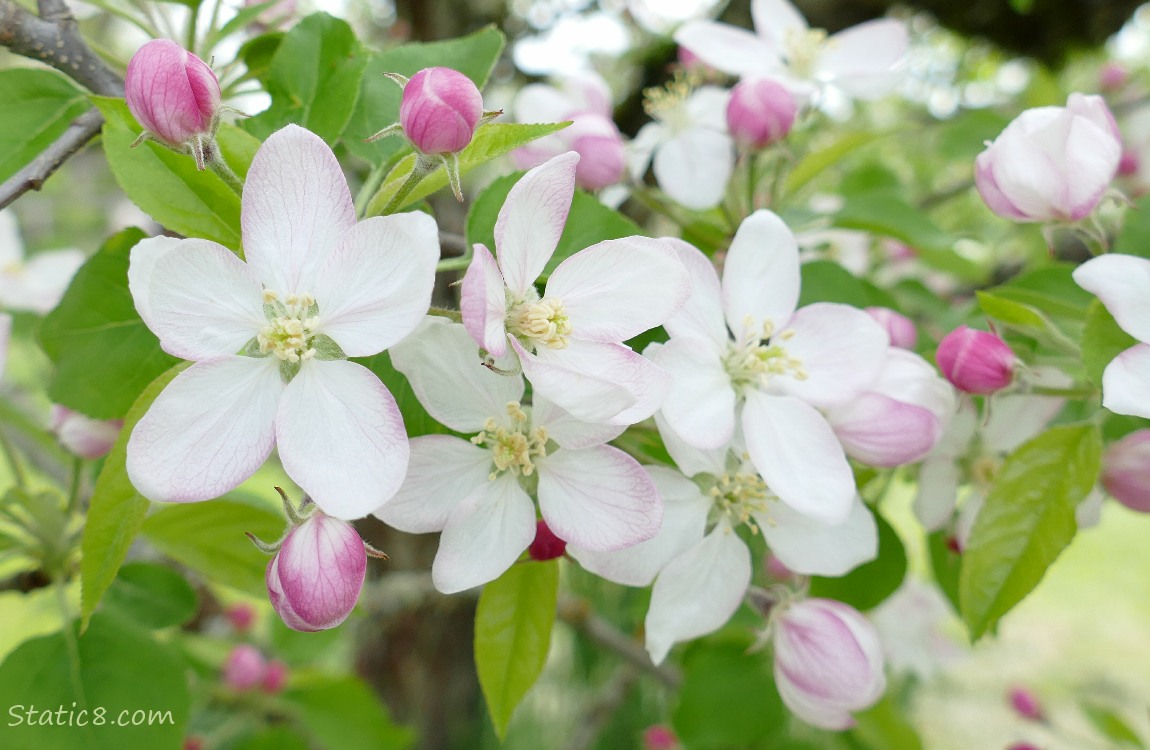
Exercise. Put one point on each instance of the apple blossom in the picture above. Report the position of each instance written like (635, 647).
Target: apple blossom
(1051, 163)
(478, 492)
(35, 284)
(245, 667)
(915, 626)
(81, 435)
(976, 361)
(1126, 470)
(268, 339)
(899, 328)
(568, 341)
(760, 112)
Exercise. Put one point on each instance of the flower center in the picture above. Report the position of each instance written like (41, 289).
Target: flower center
(513, 448)
(668, 104)
(740, 496)
(802, 48)
(290, 329)
(541, 322)
(752, 362)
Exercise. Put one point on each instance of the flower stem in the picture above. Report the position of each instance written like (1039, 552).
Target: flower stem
(13, 460)
(1063, 392)
(74, 485)
(441, 312)
(217, 164)
(423, 167)
(70, 643)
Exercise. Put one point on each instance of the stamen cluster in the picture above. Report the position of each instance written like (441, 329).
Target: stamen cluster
(513, 449)
(291, 327)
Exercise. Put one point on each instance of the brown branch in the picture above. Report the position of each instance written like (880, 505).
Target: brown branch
(32, 176)
(576, 613)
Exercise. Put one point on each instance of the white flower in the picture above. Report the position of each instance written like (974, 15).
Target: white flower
(37, 284)
(478, 492)
(269, 337)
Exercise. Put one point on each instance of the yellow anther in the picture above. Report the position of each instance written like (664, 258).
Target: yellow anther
(542, 323)
(513, 449)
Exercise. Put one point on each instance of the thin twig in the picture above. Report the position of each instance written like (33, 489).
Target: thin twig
(577, 613)
(35, 172)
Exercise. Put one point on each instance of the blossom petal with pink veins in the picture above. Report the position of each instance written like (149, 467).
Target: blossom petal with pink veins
(684, 520)
(532, 220)
(483, 302)
(568, 431)
(938, 480)
(842, 350)
(690, 460)
(484, 535)
(760, 274)
(693, 167)
(700, 406)
(40, 284)
(1037, 182)
(375, 286)
(598, 498)
(196, 296)
(1120, 281)
(698, 591)
(295, 208)
(702, 314)
(729, 48)
(442, 364)
(1126, 382)
(810, 547)
(776, 19)
(798, 456)
(882, 431)
(859, 60)
(209, 430)
(341, 437)
(442, 472)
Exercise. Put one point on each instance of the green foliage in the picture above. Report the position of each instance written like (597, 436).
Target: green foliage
(883, 726)
(513, 634)
(415, 417)
(1134, 237)
(1026, 521)
(272, 738)
(1111, 725)
(869, 585)
(39, 105)
(1045, 304)
(151, 595)
(342, 712)
(313, 79)
(946, 565)
(1102, 341)
(817, 162)
(104, 354)
(827, 281)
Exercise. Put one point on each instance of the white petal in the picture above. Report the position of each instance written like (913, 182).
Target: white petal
(568, 431)
(937, 492)
(760, 274)
(484, 536)
(598, 498)
(295, 208)
(1120, 281)
(341, 437)
(617, 289)
(810, 547)
(11, 246)
(1016, 417)
(442, 472)
(775, 19)
(483, 302)
(798, 456)
(642, 148)
(702, 314)
(1126, 382)
(693, 167)
(209, 430)
(375, 286)
(701, 404)
(196, 296)
(698, 591)
(859, 60)
(728, 48)
(690, 460)
(538, 102)
(443, 366)
(43, 280)
(707, 107)
(532, 220)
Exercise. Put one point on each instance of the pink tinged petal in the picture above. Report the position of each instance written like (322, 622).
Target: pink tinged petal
(684, 519)
(1092, 156)
(760, 274)
(992, 195)
(375, 287)
(702, 314)
(1121, 283)
(598, 498)
(296, 208)
(208, 431)
(798, 456)
(532, 220)
(810, 547)
(859, 60)
(341, 437)
(483, 303)
(484, 535)
(1093, 108)
(443, 366)
(701, 404)
(698, 591)
(693, 167)
(315, 579)
(842, 350)
(196, 296)
(588, 92)
(938, 481)
(881, 431)
(729, 48)
(617, 289)
(1126, 382)
(568, 431)
(43, 280)
(442, 472)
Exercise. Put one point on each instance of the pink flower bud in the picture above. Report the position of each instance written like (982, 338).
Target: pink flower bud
(898, 327)
(275, 677)
(245, 668)
(760, 112)
(193, 742)
(315, 579)
(975, 361)
(1129, 163)
(1126, 470)
(241, 616)
(1112, 76)
(546, 545)
(776, 568)
(83, 436)
(659, 737)
(1025, 704)
(828, 662)
(440, 110)
(173, 93)
(602, 156)
(1023, 746)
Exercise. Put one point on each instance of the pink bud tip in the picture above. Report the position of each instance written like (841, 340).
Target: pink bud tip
(193, 743)
(546, 545)
(659, 737)
(83, 436)
(975, 361)
(245, 668)
(776, 568)
(315, 579)
(173, 93)
(1129, 163)
(275, 677)
(1112, 76)
(760, 112)
(241, 616)
(898, 327)
(1023, 746)
(440, 110)
(1126, 470)
(1025, 704)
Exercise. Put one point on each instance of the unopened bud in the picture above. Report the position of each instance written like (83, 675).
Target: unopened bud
(275, 678)
(245, 668)
(898, 327)
(1112, 76)
(1129, 163)
(546, 545)
(975, 361)
(1126, 470)
(242, 616)
(315, 579)
(760, 112)
(440, 111)
(1025, 704)
(659, 737)
(83, 436)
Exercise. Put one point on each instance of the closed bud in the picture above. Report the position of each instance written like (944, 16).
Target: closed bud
(245, 668)
(600, 147)
(315, 579)
(242, 616)
(440, 111)
(1025, 704)
(546, 545)
(172, 93)
(1126, 470)
(275, 677)
(1129, 164)
(83, 436)
(975, 361)
(1112, 76)
(760, 112)
(898, 327)
(659, 737)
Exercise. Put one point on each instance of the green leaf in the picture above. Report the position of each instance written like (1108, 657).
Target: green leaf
(1044, 303)
(827, 281)
(103, 353)
(814, 163)
(513, 634)
(1026, 521)
(1102, 341)
(125, 676)
(946, 565)
(39, 105)
(151, 595)
(473, 55)
(116, 510)
(415, 417)
(209, 538)
(490, 141)
(313, 79)
(1112, 725)
(869, 585)
(343, 712)
(167, 185)
(271, 738)
(883, 726)
(1134, 239)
